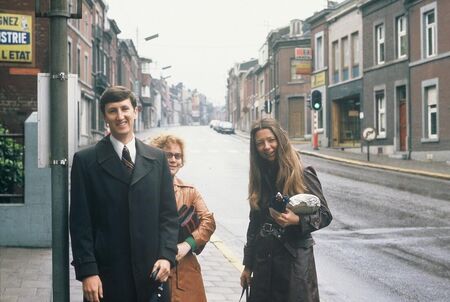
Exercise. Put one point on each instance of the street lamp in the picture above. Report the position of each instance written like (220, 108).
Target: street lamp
(166, 77)
(166, 67)
(151, 37)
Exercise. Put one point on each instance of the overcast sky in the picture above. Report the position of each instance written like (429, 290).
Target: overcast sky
(203, 39)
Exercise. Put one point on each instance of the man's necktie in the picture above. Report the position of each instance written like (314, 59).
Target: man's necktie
(126, 160)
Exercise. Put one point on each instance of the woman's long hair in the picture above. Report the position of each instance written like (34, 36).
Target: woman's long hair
(290, 170)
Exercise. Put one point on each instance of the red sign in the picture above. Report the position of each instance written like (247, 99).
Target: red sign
(303, 53)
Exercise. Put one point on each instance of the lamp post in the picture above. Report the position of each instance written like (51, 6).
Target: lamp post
(151, 37)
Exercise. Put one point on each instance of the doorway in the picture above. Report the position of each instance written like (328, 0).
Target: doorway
(402, 121)
(296, 117)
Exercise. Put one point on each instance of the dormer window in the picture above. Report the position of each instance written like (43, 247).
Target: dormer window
(296, 28)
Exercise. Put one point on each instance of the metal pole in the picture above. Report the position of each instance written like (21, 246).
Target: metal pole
(59, 144)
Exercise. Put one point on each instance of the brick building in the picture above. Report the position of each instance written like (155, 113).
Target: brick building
(290, 82)
(429, 64)
(386, 70)
(18, 80)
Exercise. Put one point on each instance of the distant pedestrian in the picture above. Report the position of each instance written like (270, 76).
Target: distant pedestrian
(123, 217)
(185, 280)
(278, 256)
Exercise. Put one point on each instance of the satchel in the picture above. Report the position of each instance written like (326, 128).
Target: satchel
(188, 221)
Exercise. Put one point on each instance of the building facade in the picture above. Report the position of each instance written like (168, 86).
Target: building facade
(386, 83)
(429, 64)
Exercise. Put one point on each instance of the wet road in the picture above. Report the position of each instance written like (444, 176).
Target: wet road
(384, 244)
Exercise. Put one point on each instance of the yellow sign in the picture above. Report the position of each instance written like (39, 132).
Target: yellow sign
(303, 67)
(16, 43)
(318, 79)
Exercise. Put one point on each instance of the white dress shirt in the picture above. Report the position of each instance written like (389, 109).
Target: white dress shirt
(118, 147)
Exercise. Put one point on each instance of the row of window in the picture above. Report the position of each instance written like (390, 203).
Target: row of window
(430, 102)
(346, 51)
(345, 57)
(81, 72)
(428, 36)
(401, 41)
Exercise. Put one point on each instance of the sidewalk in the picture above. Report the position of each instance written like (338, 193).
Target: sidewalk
(425, 168)
(26, 276)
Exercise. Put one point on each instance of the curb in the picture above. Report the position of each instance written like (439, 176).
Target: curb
(377, 166)
(370, 165)
(226, 252)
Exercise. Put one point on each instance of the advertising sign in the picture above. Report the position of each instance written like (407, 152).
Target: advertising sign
(303, 67)
(303, 58)
(318, 79)
(16, 38)
(303, 53)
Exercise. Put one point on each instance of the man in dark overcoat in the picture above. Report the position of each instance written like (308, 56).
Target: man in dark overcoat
(123, 217)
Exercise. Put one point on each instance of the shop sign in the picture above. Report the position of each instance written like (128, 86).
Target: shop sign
(303, 53)
(318, 79)
(16, 38)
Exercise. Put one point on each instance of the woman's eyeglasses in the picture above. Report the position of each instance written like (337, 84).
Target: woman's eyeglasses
(169, 155)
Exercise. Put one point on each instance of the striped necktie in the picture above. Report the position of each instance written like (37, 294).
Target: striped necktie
(126, 160)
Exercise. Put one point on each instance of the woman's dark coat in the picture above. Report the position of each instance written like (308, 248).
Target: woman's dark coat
(120, 224)
(284, 268)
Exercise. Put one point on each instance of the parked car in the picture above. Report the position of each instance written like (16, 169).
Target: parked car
(226, 127)
(213, 123)
(217, 126)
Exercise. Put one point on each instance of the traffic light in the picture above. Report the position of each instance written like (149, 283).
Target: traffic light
(316, 100)
(268, 106)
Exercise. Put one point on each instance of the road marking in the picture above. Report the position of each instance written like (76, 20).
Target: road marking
(226, 252)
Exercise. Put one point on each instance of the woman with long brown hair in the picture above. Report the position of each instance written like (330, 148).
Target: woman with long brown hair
(278, 256)
(185, 280)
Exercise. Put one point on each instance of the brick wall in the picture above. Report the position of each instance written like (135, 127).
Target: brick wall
(18, 93)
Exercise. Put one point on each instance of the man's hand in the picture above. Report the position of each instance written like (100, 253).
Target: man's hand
(183, 249)
(163, 266)
(284, 219)
(246, 277)
(92, 288)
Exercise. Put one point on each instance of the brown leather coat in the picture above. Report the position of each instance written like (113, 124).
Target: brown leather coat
(186, 279)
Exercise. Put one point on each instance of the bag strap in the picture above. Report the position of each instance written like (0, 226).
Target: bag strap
(244, 290)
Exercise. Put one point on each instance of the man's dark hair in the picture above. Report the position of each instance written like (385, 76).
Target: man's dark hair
(116, 94)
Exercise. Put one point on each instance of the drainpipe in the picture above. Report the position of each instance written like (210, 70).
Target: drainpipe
(409, 87)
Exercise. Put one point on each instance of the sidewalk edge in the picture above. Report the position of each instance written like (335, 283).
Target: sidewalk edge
(226, 252)
(377, 166)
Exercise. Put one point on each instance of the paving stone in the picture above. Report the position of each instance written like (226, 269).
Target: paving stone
(19, 291)
(36, 284)
(26, 275)
(8, 298)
